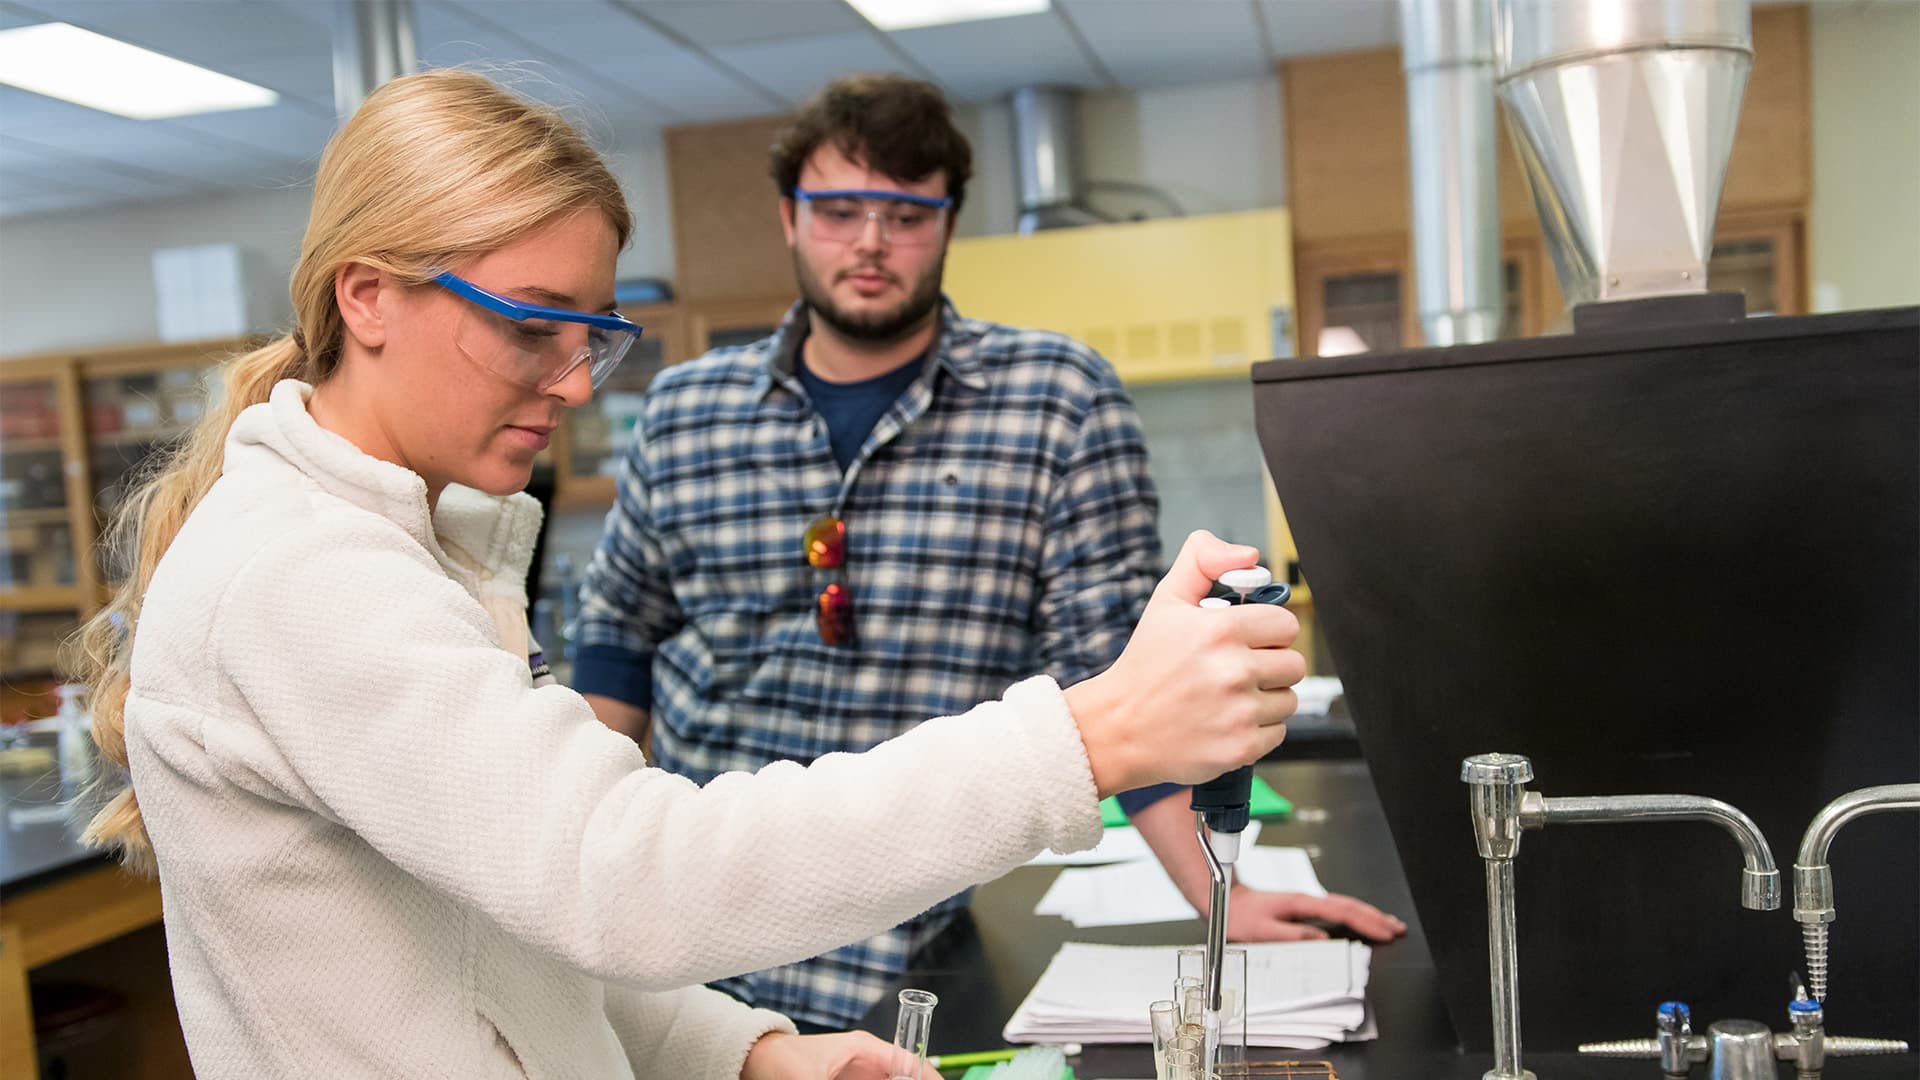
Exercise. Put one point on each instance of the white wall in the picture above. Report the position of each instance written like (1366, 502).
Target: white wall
(83, 278)
(1864, 228)
(86, 277)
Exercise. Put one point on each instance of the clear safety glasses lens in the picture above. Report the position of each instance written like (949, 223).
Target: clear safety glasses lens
(843, 219)
(537, 353)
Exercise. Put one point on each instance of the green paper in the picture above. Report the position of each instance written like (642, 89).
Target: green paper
(981, 1072)
(1266, 804)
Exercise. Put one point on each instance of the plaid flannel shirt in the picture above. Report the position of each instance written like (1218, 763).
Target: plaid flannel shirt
(1000, 523)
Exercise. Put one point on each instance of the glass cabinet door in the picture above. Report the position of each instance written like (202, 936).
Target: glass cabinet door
(1360, 312)
(1747, 265)
(718, 324)
(1366, 309)
(35, 519)
(130, 417)
(599, 430)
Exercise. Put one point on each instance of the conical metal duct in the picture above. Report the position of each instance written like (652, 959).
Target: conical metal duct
(1624, 112)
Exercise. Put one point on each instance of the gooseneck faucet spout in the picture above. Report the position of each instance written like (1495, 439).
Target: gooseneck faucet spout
(1813, 878)
(1759, 880)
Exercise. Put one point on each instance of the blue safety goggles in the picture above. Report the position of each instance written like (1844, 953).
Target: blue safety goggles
(530, 344)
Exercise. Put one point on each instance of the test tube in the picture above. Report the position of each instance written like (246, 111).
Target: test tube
(1186, 1058)
(1193, 1006)
(1164, 1016)
(910, 1034)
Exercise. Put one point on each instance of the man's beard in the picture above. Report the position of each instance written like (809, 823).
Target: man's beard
(878, 326)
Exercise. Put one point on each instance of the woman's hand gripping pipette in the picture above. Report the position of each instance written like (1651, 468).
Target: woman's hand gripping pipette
(1220, 815)
(1227, 674)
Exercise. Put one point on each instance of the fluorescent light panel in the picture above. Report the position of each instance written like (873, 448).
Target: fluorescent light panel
(62, 61)
(909, 14)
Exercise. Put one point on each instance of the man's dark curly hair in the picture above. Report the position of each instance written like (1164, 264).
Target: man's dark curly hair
(899, 126)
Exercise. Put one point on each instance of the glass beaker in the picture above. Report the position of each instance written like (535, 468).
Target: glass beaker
(910, 1033)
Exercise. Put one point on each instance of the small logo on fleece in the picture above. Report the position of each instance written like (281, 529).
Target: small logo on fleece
(538, 662)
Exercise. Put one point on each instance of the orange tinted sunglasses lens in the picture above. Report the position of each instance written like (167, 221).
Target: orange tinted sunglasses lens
(835, 615)
(826, 543)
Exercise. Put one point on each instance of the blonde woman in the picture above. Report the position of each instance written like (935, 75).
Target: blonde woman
(388, 844)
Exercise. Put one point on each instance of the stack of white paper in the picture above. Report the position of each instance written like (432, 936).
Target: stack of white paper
(1315, 694)
(1301, 995)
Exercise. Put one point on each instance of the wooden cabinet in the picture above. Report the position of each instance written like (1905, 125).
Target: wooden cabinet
(714, 324)
(1359, 296)
(587, 449)
(46, 530)
(75, 430)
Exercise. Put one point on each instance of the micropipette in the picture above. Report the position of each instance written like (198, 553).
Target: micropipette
(1220, 815)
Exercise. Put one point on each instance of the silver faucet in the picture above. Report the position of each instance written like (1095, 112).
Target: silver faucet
(1813, 879)
(1503, 808)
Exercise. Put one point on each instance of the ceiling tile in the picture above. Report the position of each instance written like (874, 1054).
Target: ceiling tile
(980, 61)
(795, 69)
(699, 92)
(1306, 27)
(571, 60)
(26, 205)
(1151, 42)
(168, 151)
(304, 73)
(22, 176)
(563, 28)
(23, 111)
(194, 30)
(714, 23)
(281, 133)
(90, 172)
(11, 18)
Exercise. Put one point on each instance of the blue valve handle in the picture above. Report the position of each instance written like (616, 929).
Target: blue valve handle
(1225, 798)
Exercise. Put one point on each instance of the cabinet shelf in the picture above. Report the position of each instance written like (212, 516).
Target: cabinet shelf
(114, 408)
(41, 598)
(38, 516)
(29, 445)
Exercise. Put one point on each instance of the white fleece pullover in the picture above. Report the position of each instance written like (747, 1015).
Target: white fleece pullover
(385, 852)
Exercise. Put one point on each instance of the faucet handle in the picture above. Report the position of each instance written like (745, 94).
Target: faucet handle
(1677, 1048)
(1497, 769)
(1496, 794)
(1680, 1049)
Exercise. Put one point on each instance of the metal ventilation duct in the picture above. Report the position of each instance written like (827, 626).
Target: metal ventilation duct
(373, 41)
(1447, 53)
(1625, 113)
(1046, 130)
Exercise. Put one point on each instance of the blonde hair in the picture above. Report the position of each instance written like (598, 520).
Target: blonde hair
(432, 169)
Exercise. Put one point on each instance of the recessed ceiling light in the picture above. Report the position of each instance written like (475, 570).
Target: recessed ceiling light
(66, 62)
(908, 14)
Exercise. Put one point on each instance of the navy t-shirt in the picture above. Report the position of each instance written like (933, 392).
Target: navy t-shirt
(851, 409)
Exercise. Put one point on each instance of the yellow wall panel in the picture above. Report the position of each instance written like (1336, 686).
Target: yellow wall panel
(1177, 298)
